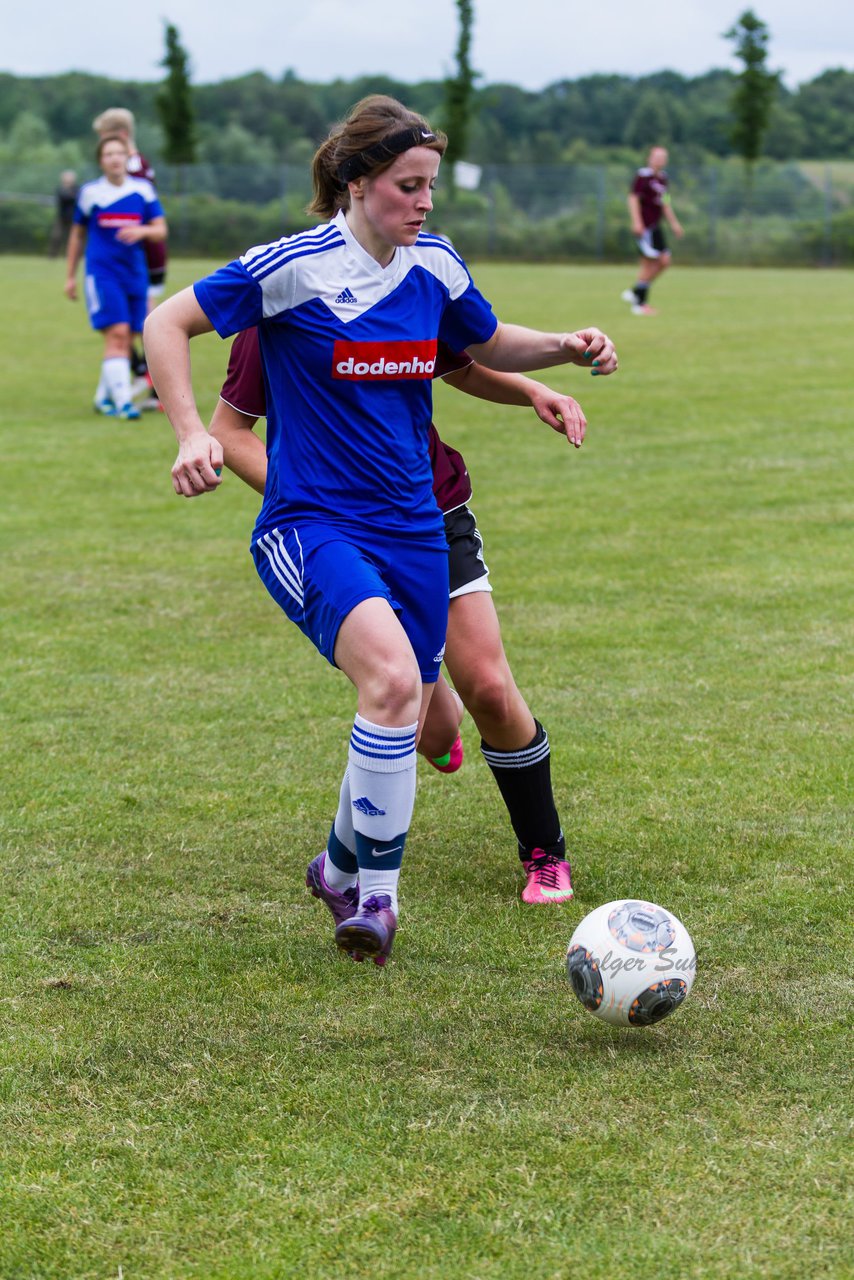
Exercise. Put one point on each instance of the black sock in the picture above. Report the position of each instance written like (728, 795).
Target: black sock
(525, 782)
(641, 292)
(137, 361)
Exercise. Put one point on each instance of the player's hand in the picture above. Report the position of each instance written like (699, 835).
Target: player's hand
(71, 289)
(197, 465)
(561, 413)
(592, 349)
(130, 235)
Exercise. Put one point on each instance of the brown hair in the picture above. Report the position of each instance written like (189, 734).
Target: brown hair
(110, 137)
(370, 122)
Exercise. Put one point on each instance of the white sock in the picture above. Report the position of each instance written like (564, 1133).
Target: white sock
(382, 790)
(115, 374)
(101, 389)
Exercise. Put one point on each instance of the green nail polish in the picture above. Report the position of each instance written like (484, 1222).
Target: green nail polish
(594, 373)
(587, 355)
(595, 364)
(218, 470)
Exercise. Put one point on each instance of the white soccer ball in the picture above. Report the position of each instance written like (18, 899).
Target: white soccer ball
(631, 963)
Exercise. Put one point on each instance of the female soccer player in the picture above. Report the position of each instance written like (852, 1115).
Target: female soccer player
(349, 540)
(514, 744)
(114, 216)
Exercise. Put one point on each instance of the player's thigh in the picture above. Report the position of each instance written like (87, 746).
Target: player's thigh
(372, 648)
(474, 649)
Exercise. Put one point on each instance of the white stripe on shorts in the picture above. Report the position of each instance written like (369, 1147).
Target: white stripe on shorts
(273, 546)
(93, 302)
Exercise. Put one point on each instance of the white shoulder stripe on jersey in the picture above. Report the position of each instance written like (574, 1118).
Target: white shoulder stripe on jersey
(259, 269)
(260, 253)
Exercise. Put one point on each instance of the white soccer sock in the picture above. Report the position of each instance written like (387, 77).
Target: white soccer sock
(382, 789)
(115, 374)
(340, 868)
(101, 389)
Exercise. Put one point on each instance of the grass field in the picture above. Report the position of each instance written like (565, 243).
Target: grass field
(192, 1082)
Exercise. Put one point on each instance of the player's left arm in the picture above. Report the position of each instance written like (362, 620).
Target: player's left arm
(153, 231)
(672, 221)
(560, 412)
(515, 349)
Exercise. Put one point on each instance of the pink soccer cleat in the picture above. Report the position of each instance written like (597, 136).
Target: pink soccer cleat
(549, 880)
(450, 762)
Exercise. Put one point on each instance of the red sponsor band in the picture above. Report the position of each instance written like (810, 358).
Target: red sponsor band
(383, 361)
(118, 219)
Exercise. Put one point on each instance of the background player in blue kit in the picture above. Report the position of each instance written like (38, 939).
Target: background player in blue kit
(349, 539)
(120, 121)
(649, 202)
(114, 216)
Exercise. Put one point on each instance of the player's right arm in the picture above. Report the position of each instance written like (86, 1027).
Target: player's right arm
(76, 243)
(168, 330)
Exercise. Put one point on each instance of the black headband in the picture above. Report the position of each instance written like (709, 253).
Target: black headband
(394, 145)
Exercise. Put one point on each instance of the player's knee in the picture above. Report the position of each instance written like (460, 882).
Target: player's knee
(489, 693)
(395, 692)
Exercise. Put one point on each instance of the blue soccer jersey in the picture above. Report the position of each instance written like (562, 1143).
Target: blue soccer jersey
(349, 350)
(103, 209)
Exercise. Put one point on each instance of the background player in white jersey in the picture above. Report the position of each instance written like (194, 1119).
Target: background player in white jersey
(114, 217)
(349, 540)
(649, 203)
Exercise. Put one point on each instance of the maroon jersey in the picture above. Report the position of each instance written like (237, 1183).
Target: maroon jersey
(650, 188)
(155, 250)
(244, 390)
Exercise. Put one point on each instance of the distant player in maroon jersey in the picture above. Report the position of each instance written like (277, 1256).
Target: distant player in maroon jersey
(649, 203)
(514, 744)
(119, 120)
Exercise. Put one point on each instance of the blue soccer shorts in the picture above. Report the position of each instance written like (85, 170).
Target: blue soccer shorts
(318, 573)
(109, 302)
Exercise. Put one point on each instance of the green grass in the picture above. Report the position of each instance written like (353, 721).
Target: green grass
(192, 1083)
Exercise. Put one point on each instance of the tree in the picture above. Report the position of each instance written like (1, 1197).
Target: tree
(755, 90)
(459, 90)
(175, 103)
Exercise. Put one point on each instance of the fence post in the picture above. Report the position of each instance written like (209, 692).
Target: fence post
(827, 255)
(600, 218)
(713, 212)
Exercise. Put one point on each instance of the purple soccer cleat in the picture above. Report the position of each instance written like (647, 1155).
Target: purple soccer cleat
(342, 904)
(369, 934)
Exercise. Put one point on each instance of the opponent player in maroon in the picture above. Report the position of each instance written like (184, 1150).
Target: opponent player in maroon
(649, 202)
(513, 743)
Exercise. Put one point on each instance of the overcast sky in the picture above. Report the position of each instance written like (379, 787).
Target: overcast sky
(531, 43)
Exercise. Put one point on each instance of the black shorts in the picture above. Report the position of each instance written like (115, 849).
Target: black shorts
(467, 570)
(652, 243)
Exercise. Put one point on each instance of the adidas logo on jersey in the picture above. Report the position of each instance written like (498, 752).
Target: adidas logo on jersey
(373, 361)
(370, 810)
(346, 296)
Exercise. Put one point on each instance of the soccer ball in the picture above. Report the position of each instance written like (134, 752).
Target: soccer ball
(631, 963)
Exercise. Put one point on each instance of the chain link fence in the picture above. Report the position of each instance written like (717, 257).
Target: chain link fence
(797, 213)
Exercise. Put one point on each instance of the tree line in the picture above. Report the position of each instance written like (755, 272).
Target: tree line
(258, 119)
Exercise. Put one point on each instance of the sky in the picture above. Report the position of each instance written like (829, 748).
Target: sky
(530, 44)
